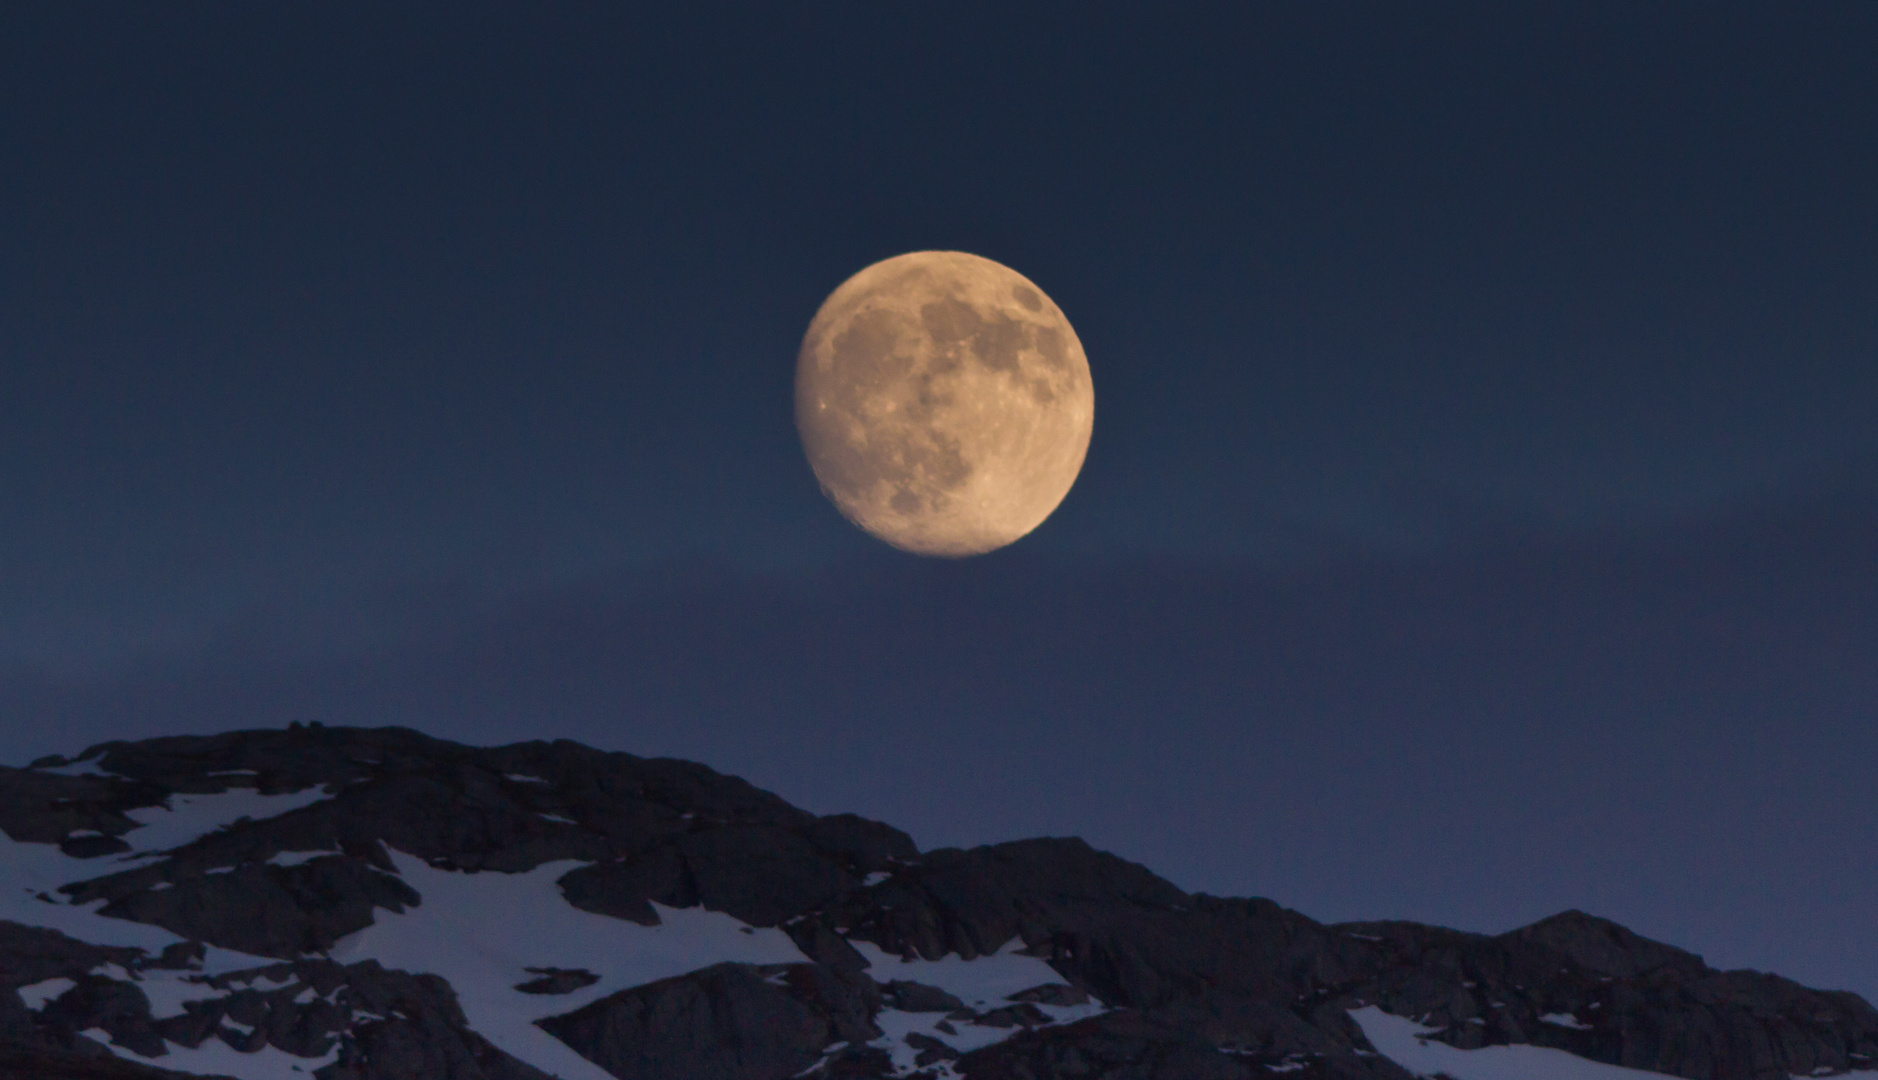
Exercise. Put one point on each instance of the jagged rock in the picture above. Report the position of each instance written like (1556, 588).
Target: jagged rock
(387, 1025)
(1195, 987)
(726, 1022)
(1602, 947)
(761, 874)
(557, 981)
(283, 911)
(38, 1063)
(1052, 994)
(1638, 1003)
(46, 808)
(918, 997)
(1022, 1014)
(626, 889)
(849, 1008)
(822, 944)
(869, 846)
(973, 902)
(92, 846)
(853, 1063)
(182, 956)
(120, 1008)
(1217, 1038)
(32, 954)
(931, 1050)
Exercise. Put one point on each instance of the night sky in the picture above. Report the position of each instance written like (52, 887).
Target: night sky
(1481, 518)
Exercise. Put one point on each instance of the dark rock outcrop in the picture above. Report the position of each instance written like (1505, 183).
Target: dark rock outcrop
(33, 954)
(1192, 986)
(1233, 1040)
(283, 911)
(653, 830)
(727, 1022)
(557, 981)
(41, 1063)
(384, 1025)
(1590, 987)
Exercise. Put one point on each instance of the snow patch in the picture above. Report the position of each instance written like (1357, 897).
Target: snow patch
(39, 994)
(77, 768)
(190, 816)
(30, 876)
(295, 858)
(1565, 1020)
(984, 983)
(481, 931)
(895, 1026)
(169, 990)
(1403, 1041)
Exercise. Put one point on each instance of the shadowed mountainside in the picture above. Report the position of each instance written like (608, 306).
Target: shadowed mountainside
(1141, 978)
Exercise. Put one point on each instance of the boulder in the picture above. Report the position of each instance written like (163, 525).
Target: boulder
(726, 1022)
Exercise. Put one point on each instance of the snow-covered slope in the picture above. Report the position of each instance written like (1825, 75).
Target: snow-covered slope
(362, 904)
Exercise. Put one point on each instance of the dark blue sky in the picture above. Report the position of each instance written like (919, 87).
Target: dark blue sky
(1481, 518)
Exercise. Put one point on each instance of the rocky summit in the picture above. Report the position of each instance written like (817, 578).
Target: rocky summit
(354, 904)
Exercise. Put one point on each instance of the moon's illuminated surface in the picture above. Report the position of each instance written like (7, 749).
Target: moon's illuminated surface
(944, 402)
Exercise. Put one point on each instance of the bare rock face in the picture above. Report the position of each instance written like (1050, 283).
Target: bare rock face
(282, 911)
(383, 1025)
(1146, 981)
(726, 1022)
(1637, 1003)
(19, 1063)
(557, 981)
(760, 874)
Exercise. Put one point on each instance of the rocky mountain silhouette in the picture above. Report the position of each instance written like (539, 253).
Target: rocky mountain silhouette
(377, 904)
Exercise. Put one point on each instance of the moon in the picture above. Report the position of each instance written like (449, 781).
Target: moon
(944, 402)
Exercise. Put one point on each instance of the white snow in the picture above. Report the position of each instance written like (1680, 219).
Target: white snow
(521, 778)
(190, 816)
(896, 1025)
(985, 983)
(167, 990)
(480, 931)
(26, 870)
(1569, 1020)
(295, 858)
(1400, 1040)
(29, 870)
(77, 768)
(38, 994)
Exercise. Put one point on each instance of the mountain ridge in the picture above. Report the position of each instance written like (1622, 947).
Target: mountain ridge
(273, 935)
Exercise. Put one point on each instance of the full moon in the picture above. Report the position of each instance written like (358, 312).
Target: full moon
(944, 402)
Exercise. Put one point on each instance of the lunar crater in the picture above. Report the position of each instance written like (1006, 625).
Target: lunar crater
(944, 402)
